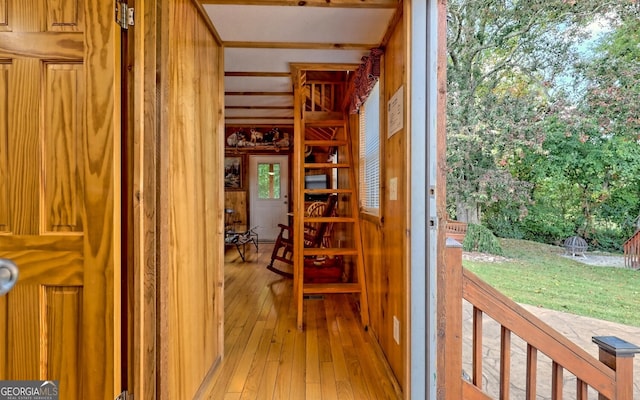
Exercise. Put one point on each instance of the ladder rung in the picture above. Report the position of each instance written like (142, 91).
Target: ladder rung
(329, 219)
(326, 165)
(319, 288)
(310, 117)
(330, 251)
(326, 191)
(326, 123)
(325, 143)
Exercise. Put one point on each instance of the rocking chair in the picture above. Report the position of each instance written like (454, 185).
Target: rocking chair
(315, 235)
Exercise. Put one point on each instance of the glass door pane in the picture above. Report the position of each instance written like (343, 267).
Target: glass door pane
(269, 181)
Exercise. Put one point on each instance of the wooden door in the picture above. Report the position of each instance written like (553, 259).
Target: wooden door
(58, 194)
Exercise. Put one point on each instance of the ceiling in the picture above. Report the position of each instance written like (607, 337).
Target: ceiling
(262, 38)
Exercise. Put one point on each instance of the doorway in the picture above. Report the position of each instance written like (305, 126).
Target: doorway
(268, 194)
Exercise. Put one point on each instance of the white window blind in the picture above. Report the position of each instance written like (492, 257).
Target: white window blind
(370, 153)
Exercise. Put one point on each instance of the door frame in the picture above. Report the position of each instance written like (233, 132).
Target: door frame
(142, 286)
(148, 110)
(127, 206)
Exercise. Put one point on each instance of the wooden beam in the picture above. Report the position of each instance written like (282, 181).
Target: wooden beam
(252, 118)
(324, 67)
(263, 125)
(259, 108)
(259, 74)
(299, 45)
(395, 20)
(258, 93)
(205, 18)
(310, 3)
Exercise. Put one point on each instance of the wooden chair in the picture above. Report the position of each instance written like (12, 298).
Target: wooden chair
(315, 235)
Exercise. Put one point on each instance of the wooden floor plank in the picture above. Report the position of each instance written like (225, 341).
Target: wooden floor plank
(257, 370)
(337, 352)
(324, 346)
(298, 384)
(328, 378)
(312, 357)
(314, 391)
(266, 357)
(220, 380)
(345, 392)
(239, 377)
(268, 383)
(368, 360)
(283, 380)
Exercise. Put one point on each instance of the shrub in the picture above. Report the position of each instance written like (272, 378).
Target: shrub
(607, 240)
(480, 238)
(504, 227)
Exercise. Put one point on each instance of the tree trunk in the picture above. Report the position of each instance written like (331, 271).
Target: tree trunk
(467, 212)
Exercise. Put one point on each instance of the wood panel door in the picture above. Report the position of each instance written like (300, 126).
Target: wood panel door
(59, 218)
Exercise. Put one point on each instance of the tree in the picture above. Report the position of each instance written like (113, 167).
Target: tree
(585, 183)
(503, 58)
(613, 80)
(611, 103)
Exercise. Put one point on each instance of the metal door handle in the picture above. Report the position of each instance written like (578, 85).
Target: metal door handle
(8, 275)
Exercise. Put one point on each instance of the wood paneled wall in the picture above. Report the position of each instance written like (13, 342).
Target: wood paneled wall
(385, 237)
(237, 201)
(191, 246)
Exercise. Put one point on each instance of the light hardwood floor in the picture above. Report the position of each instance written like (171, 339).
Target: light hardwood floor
(266, 357)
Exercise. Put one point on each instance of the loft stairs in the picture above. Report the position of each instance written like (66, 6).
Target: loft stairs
(321, 129)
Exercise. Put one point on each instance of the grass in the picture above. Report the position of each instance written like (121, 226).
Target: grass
(538, 275)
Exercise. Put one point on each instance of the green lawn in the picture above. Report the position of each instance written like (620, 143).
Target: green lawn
(537, 274)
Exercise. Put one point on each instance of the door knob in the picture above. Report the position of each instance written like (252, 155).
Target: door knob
(8, 275)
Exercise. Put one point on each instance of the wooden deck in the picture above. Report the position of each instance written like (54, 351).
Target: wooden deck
(266, 357)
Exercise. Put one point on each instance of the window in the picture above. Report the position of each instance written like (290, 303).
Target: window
(268, 181)
(370, 153)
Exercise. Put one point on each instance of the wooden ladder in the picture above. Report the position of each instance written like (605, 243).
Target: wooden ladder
(342, 177)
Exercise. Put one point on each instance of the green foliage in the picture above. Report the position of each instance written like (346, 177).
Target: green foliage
(503, 225)
(613, 80)
(585, 183)
(610, 240)
(501, 55)
(268, 181)
(543, 139)
(503, 219)
(545, 224)
(479, 238)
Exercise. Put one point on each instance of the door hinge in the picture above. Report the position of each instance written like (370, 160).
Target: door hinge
(124, 396)
(124, 15)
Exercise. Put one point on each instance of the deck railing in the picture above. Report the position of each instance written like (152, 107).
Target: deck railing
(456, 230)
(611, 376)
(632, 251)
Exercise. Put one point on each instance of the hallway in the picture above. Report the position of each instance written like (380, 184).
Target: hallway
(266, 357)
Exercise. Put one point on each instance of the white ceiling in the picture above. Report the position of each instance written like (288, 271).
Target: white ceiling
(261, 41)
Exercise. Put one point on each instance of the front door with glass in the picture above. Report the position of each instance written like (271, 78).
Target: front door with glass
(269, 195)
